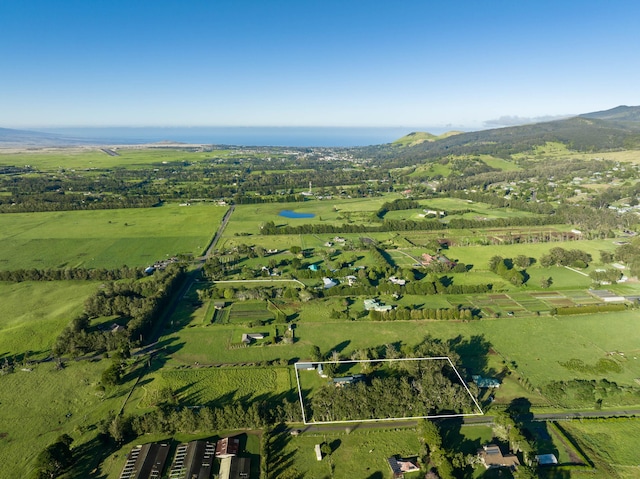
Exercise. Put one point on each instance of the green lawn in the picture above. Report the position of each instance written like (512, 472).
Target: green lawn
(611, 444)
(40, 405)
(218, 386)
(361, 454)
(32, 314)
(85, 158)
(105, 238)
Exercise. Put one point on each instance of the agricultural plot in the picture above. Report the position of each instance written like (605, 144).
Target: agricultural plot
(614, 441)
(105, 238)
(32, 314)
(39, 406)
(219, 386)
(527, 303)
(357, 454)
(91, 158)
(245, 311)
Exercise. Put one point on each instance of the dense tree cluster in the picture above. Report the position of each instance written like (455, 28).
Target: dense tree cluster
(504, 267)
(138, 303)
(562, 257)
(67, 274)
(404, 388)
(54, 460)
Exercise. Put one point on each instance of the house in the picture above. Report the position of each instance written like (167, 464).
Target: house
(427, 259)
(193, 460)
(339, 382)
(401, 466)
(373, 304)
(485, 382)
(116, 328)
(146, 461)
(329, 283)
(351, 279)
(546, 459)
(227, 447)
(305, 366)
(235, 468)
(318, 452)
(248, 338)
(491, 457)
(399, 282)
(219, 305)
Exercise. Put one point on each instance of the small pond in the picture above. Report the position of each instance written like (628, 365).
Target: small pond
(295, 215)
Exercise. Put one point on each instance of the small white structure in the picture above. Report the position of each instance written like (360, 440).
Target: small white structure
(247, 338)
(318, 452)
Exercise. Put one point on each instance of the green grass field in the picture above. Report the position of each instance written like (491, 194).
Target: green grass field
(361, 454)
(105, 238)
(612, 441)
(218, 386)
(41, 405)
(85, 158)
(32, 314)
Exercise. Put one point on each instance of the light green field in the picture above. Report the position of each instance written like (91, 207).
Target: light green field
(615, 441)
(84, 158)
(537, 345)
(39, 406)
(105, 238)
(32, 314)
(361, 454)
(248, 218)
(479, 256)
(219, 386)
(499, 163)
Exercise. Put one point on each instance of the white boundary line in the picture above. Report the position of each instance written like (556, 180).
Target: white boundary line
(354, 361)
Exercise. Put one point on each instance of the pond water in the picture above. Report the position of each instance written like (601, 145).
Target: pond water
(295, 215)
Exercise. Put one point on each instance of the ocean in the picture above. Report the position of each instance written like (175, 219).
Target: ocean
(244, 136)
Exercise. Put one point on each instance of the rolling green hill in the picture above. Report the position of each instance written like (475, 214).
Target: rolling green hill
(615, 129)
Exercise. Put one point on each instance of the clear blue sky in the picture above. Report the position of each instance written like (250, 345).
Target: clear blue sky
(308, 62)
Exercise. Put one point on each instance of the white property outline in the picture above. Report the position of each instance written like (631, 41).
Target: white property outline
(355, 361)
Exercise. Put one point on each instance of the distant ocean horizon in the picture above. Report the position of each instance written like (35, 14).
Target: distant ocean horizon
(244, 136)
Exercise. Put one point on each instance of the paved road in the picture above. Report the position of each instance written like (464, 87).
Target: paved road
(469, 420)
(191, 278)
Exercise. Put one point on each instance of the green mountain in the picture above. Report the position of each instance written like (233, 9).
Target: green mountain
(615, 129)
(417, 137)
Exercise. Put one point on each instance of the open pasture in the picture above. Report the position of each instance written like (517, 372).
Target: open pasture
(39, 406)
(614, 440)
(219, 386)
(249, 218)
(359, 454)
(105, 238)
(536, 346)
(32, 314)
(83, 158)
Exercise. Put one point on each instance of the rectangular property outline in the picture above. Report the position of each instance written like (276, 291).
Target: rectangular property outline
(354, 361)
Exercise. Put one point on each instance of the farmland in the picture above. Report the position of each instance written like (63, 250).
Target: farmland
(228, 337)
(105, 238)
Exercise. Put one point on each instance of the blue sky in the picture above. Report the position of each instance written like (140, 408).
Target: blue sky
(313, 63)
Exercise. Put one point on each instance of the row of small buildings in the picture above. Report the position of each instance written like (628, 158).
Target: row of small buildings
(193, 460)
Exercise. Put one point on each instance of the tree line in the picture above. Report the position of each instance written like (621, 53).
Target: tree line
(137, 303)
